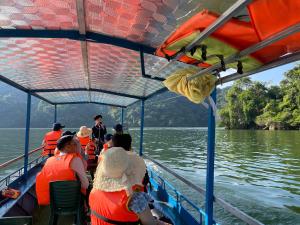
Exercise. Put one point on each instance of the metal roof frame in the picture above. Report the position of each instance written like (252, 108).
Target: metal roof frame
(282, 61)
(87, 102)
(260, 45)
(84, 49)
(91, 89)
(21, 88)
(143, 68)
(75, 35)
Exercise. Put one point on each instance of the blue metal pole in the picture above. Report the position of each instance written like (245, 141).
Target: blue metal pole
(209, 198)
(122, 116)
(27, 133)
(55, 113)
(142, 127)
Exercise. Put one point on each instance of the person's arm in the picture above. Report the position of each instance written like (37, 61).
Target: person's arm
(78, 167)
(138, 203)
(94, 130)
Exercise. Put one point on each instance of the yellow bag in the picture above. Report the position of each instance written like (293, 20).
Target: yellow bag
(195, 90)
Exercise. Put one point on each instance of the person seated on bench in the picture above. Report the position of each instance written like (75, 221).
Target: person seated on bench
(67, 165)
(117, 195)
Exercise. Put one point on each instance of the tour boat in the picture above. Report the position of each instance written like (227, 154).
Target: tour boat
(117, 53)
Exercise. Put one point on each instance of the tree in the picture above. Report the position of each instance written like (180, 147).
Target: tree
(243, 105)
(252, 104)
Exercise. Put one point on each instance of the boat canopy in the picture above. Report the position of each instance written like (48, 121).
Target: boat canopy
(75, 51)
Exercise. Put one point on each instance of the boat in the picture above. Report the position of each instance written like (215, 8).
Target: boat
(118, 53)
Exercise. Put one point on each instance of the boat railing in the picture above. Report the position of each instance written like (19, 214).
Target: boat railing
(225, 205)
(8, 179)
(178, 197)
(9, 162)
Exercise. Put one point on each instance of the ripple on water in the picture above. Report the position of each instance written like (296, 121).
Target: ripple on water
(257, 171)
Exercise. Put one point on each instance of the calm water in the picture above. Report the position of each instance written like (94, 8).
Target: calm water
(256, 171)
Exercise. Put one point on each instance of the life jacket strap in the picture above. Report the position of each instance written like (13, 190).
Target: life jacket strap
(113, 221)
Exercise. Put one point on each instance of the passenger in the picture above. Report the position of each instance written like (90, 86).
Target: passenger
(118, 129)
(99, 130)
(108, 141)
(117, 195)
(83, 136)
(65, 166)
(122, 140)
(67, 132)
(50, 139)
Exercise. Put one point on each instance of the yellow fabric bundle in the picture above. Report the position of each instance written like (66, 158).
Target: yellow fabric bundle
(195, 90)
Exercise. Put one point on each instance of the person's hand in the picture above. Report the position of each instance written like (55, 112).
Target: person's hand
(162, 223)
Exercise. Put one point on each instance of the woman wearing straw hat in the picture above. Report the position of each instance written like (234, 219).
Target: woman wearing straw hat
(88, 147)
(117, 196)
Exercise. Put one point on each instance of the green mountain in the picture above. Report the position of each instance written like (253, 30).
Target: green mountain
(252, 104)
(164, 110)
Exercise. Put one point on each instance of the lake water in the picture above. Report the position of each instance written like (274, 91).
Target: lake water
(256, 171)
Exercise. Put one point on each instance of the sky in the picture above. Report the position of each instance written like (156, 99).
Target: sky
(271, 77)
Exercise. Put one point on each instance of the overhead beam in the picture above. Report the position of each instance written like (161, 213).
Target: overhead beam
(133, 103)
(75, 35)
(84, 51)
(142, 63)
(120, 42)
(160, 91)
(12, 83)
(21, 88)
(87, 102)
(40, 97)
(282, 61)
(85, 89)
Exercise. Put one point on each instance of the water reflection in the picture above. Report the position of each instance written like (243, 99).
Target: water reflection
(258, 171)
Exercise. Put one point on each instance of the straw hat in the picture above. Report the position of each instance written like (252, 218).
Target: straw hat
(84, 132)
(119, 170)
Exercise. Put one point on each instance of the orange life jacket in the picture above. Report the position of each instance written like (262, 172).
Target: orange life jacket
(105, 147)
(50, 140)
(84, 141)
(56, 168)
(111, 205)
(267, 18)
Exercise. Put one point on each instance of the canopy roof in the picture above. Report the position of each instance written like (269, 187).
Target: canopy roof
(80, 51)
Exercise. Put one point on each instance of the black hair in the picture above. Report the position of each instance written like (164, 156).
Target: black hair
(67, 132)
(63, 141)
(122, 140)
(108, 137)
(127, 140)
(118, 128)
(97, 117)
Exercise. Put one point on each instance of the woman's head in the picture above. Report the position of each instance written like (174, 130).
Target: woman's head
(67, 144)
(119, 170)
(122, 140)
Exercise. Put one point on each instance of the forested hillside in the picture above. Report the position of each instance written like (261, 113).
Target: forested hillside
(251, 105)
(164, 110)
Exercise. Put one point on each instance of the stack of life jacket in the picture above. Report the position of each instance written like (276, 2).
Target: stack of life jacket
(268, 17)
(50, 141)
